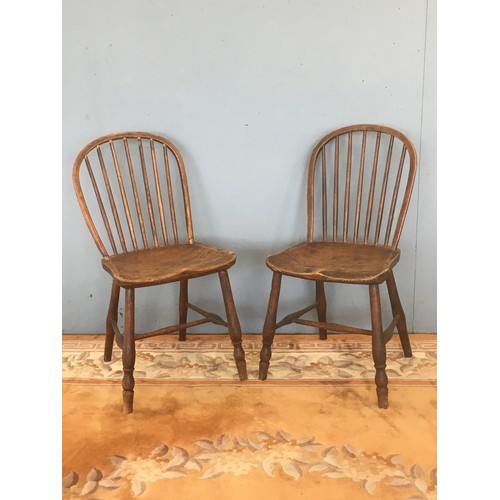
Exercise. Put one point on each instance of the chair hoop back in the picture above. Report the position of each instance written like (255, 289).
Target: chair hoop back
(359, 184)
(130, 190)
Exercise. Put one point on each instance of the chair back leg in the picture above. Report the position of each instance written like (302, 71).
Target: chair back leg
(398, 309)
(111, 320)
(269, 326)
(183, 308)
(233, 323)
(128, 351)
(378, 348)
(321, 307)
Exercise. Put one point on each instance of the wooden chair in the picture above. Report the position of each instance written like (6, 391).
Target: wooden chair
(359, 184)
(130, 191)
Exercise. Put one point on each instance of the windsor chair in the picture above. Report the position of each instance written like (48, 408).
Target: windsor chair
(130, 191)
(352, 172)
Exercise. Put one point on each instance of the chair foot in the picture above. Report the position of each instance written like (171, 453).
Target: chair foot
(383, 397)
(405, 341)
(128, 401)
(323, 336)
(265, 356)
(241, 366)
(263, 369)
(108, 343)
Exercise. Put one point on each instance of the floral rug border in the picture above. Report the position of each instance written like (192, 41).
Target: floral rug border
(212, 361)
(275, 455)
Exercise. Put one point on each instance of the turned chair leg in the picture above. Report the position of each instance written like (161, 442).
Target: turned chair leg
(398, 309)
(110, 320)
(269, 326)
(183, 309)
(128, 352)
(233, 323)
(378, 348)
(321, 307)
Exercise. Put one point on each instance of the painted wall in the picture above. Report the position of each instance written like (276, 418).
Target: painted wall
(245, 89)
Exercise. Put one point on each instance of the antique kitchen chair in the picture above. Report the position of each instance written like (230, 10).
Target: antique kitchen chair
(131, 187)
(359, 184)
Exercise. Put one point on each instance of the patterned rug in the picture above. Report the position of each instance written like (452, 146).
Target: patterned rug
(312, 430)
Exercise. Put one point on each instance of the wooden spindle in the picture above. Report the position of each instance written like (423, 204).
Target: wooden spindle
(311, 176)
(123, 194)
(159, 198)
(104, 216)
(347, 186)
(336, 189)
(323, 193)
(360, 187)
(384, 190)
(148, 193)
(135, 193)
(185, 194)
(395, 193)
(170, 194)
(372, 188)
(406, 199)
(114, 211)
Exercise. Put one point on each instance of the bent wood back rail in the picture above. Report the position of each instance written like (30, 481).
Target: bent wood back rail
(359, 183)
(133, 193)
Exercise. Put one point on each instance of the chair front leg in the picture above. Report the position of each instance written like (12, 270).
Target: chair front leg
(183, 309)
(378, 348)
(269, 326)
(233, 323)
(321, 307)
(128, 351)
(397, 308)
(110, 319)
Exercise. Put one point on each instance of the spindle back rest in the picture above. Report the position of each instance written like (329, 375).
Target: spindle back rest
(131, 187)
(359, 185)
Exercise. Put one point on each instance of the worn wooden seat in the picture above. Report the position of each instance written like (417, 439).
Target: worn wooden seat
(335, 262)
(359, 184)
(167, 264)
(131, 188)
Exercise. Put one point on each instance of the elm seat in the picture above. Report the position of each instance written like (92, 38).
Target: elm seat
(335, 262)
(167, 264)
(359, 183)
(133, 193)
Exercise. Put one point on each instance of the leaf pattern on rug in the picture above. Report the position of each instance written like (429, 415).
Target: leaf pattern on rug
(190, 361)
(278, 455)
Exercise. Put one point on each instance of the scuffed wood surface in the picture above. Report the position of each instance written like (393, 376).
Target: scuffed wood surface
(167, 264)
(336, 262)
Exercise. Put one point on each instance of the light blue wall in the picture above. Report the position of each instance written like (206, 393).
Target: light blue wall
(245, 89)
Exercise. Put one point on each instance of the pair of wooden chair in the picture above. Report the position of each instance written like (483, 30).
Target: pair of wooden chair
(133, 193)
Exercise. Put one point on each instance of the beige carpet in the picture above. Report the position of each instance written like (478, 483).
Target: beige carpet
(313, 430)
